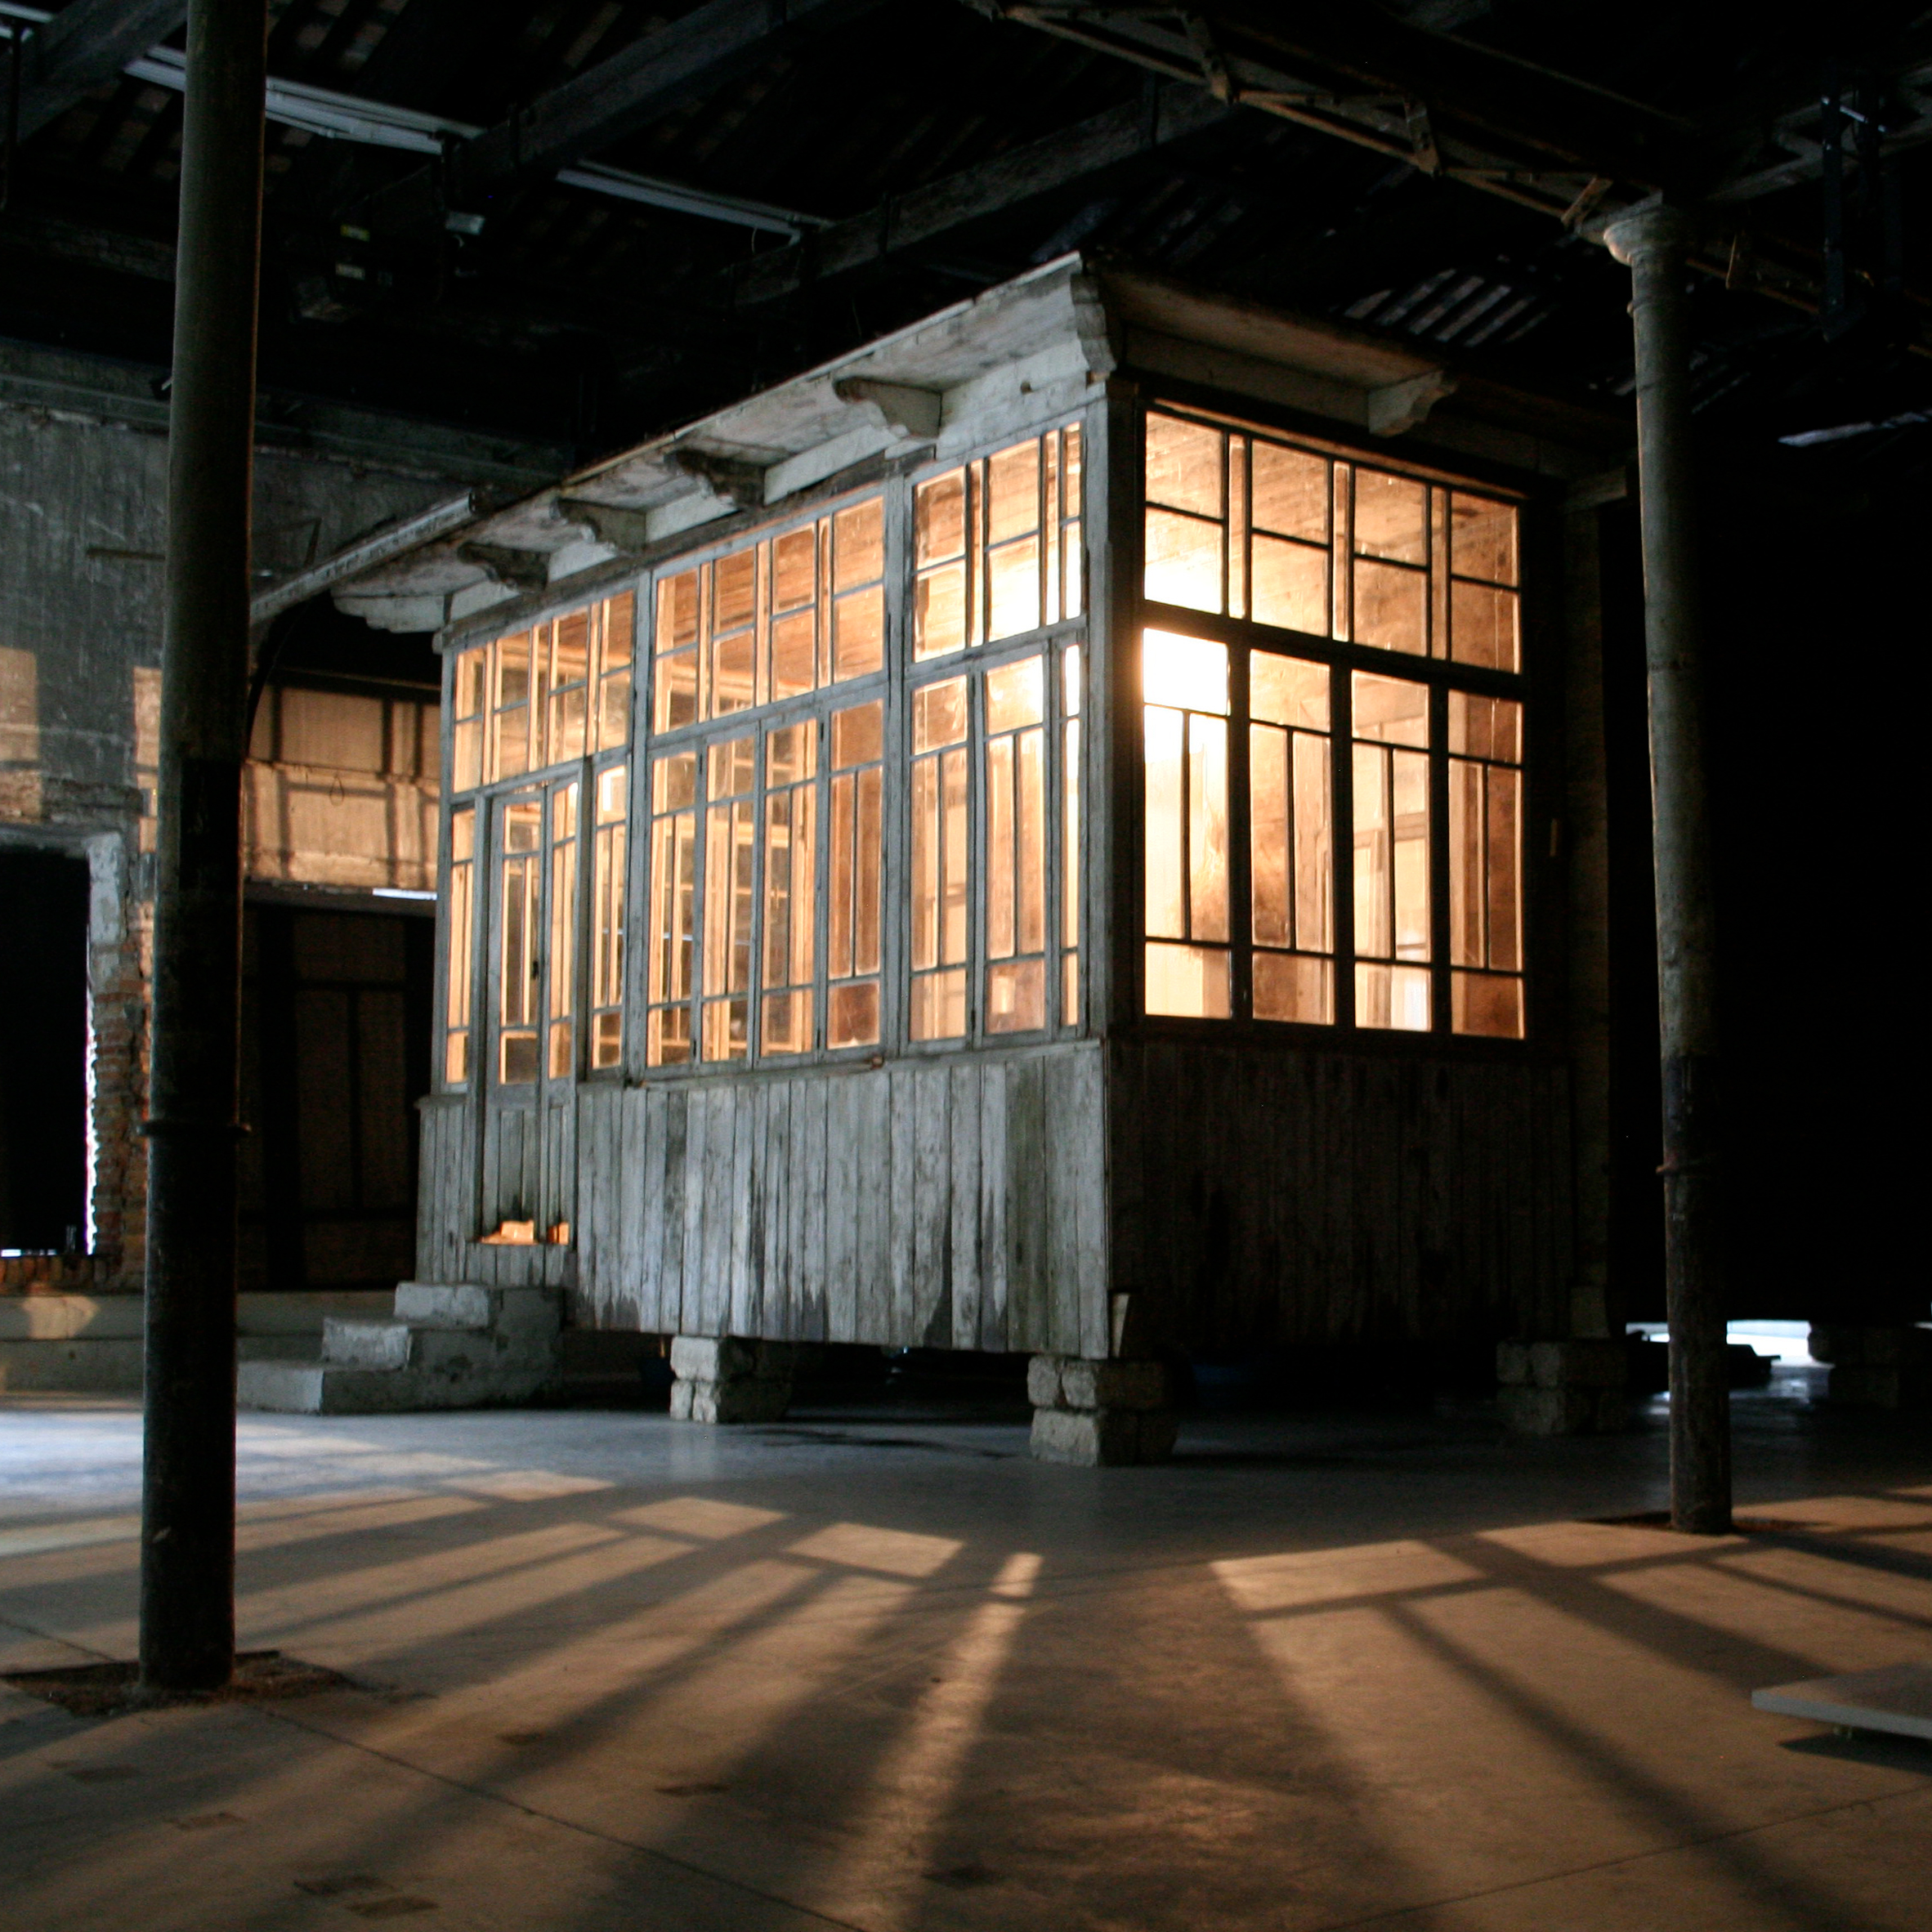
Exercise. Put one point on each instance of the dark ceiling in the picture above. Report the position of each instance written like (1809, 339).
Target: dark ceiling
(916, 149)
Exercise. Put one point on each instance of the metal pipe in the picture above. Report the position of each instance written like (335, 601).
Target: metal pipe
(187, 1571)
(1654, 242)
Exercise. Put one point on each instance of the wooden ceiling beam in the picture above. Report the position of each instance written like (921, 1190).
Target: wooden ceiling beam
(651, 77)
(84, 47)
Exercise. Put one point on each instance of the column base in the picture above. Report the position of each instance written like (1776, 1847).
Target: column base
(1573, 1387)
(726, 1379)
(1099, 1414)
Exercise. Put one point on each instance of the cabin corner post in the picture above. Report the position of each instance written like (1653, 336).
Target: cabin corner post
(1653, 241)
(187, 1592)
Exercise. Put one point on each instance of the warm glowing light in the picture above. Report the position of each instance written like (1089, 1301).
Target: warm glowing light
(1189, 672)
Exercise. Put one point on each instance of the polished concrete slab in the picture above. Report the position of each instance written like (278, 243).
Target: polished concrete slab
(876, 1669)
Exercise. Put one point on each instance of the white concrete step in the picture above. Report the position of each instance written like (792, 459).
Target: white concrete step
(341, 1389)
(366, 1344)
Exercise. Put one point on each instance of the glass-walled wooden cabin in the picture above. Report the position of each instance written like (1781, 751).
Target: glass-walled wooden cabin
(1084, 867)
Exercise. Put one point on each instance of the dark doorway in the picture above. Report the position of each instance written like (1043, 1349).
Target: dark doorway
(43, 1051)
(335, 1047)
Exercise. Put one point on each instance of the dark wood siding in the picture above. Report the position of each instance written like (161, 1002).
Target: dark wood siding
(1272, 1195)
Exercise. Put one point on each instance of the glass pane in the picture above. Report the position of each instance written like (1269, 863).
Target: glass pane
(1012, 491)
(519, 1063)
(939, 519)
(1069, 443)
(1483, 626)
(732, 674)
(677, 691)
(619, 620)
(1268, 837)
(1290, 496)
(1293, 986)
(939, 714)
(939, 611)
(1290, 586)
(999, 849)
(563, 928)
(729, 767)
(1393, 996)
(1504, 853)
(857, 736)
(794, 569)
(1467, 897)
(1188, 981)
(1314, 861)
(1184, 561)
(1485, 727)
(1390, 709)
(854, 1017)
(1207, 828)
(1409, 794)
(1016, 996)
(858, 545)
(858, 633)
(456, 1060)
(1069, 680)
(794, 654)
(468, 763)
(677, 611)
(522, 824)
(939, 1006)
(615, 728)
(674, 781)
(570, 650)
(1166, 904)
(1032, 835)
(1391, 607)
(1013, 597)
(1184, 468)
(1287, 690)
(567, 722)
(785, 1023)
(1188, 672)
(606, 1039)
(512, 670)
(562, 1044)
(1015, 694)
(1391, 516)
(1374, 908)
(734, 591)
(471, 666)
(1486, 1003)
(1482, 538)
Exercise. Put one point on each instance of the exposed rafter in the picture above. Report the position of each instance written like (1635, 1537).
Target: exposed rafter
(84, 46)
(611, 101)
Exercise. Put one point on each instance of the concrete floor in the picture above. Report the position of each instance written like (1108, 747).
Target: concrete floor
(879, 1670)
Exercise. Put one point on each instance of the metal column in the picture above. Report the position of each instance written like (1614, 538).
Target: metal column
(1653, 241)
(187, 1573)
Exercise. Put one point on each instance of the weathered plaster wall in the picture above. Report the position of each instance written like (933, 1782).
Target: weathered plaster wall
(82, 521)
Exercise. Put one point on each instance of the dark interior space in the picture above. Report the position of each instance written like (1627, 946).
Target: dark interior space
(335, 1052)
(43, 1096)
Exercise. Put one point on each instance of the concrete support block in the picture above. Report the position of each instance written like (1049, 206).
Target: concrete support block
(1875, 1366)
(730, 1379)
(1571, 1387)
(1099, 1413)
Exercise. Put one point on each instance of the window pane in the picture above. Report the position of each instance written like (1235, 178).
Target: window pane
(467, 772)
(1016, 695)
(858, 545)
(1393, 996)
(1268, 827)
(1482, 538)
(677, 611)
(1391, 516)
(794, 569)
(1314, 859)
(1016, 996)
(1485, 727)
(1290, 586)
(1207, 828)
(1391, 607)
(1166, 903)
(858, 633)
(1294, 987)
(1390, 709)
(794, 654)
(1290, 496)
(1504, 854)
(1482, 627)
(1184, 561)
(1467, 896)
(1183, 465)
(1287, 690)
(1012, 491)
(939, 715)
(1188, 982)
(1486, 1003)
(1187, 672)
(1013, 596)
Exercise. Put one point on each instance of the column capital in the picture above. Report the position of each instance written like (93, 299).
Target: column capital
(1652, 229)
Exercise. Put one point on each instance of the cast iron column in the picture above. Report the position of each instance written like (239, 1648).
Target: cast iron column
(1653, 242)
(187, 1571)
